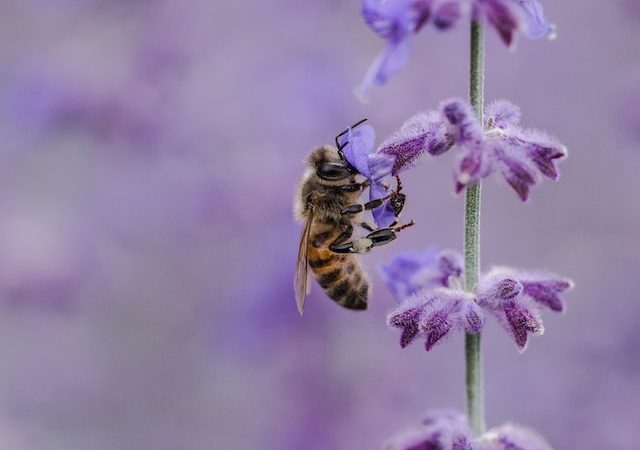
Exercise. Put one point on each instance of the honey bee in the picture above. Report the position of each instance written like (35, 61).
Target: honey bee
(327, 203)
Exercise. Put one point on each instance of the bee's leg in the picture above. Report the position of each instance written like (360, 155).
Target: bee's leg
(383, 236)
(376, 238)
(338, 245)
(366, 226)
(355, 187)
(358, 208)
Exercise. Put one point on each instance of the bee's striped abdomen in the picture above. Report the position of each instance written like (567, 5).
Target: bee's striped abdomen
(340, 275)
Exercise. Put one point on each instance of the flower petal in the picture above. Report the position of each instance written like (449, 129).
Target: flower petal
(542, 150)
(443, 430)
(512, 437)
(392, 59)
(359, 144)
(498, 285)
(443, 314)
(502, 16)
(379, 165)
(536, 26)
(384, 215)
(450, 264)
(518, 172)
(472, 316)
(502, 114)
(472, 166)
(463, 121)
(446, 14)
(522, 320)
(411, 272)
(545, 289)
(422, 132)
(391, 20)
(406, 317)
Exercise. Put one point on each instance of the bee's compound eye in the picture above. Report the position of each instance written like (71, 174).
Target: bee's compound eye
(335, 171)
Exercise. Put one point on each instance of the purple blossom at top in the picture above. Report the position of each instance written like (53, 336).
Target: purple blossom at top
(358, 149)
(434, 306)
(396, 20)
(449, 430)
(521, 156)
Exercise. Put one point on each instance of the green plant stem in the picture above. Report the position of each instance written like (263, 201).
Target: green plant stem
(473, 351)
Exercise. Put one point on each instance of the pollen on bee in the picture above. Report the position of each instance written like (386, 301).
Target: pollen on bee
(362, 245)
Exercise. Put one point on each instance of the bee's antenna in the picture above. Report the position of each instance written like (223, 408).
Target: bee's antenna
(340, 147)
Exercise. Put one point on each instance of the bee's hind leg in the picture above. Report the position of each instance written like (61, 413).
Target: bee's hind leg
(378, 237)
(341, 244)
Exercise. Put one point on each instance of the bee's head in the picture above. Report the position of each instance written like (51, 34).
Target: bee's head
(330, 166)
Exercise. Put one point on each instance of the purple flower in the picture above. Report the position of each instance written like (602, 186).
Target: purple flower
(396, 20)
(407, 318)
(358, 149)
(435, 314)
(544, 288)
(424, 132)
(535, 25)
(410, 272)
(521, 156)
(512, 437)
(449, 430)
(510, 16)
(432, 306)
(441, 430)
(515, 298)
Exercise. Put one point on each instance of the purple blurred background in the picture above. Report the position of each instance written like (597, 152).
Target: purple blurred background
(149, 153)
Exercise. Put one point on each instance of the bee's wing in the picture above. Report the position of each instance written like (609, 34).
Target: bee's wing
(300, 283)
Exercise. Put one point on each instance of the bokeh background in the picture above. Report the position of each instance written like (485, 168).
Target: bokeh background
(149, 151)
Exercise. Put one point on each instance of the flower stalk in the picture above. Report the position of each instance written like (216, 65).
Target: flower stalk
(473, 351)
